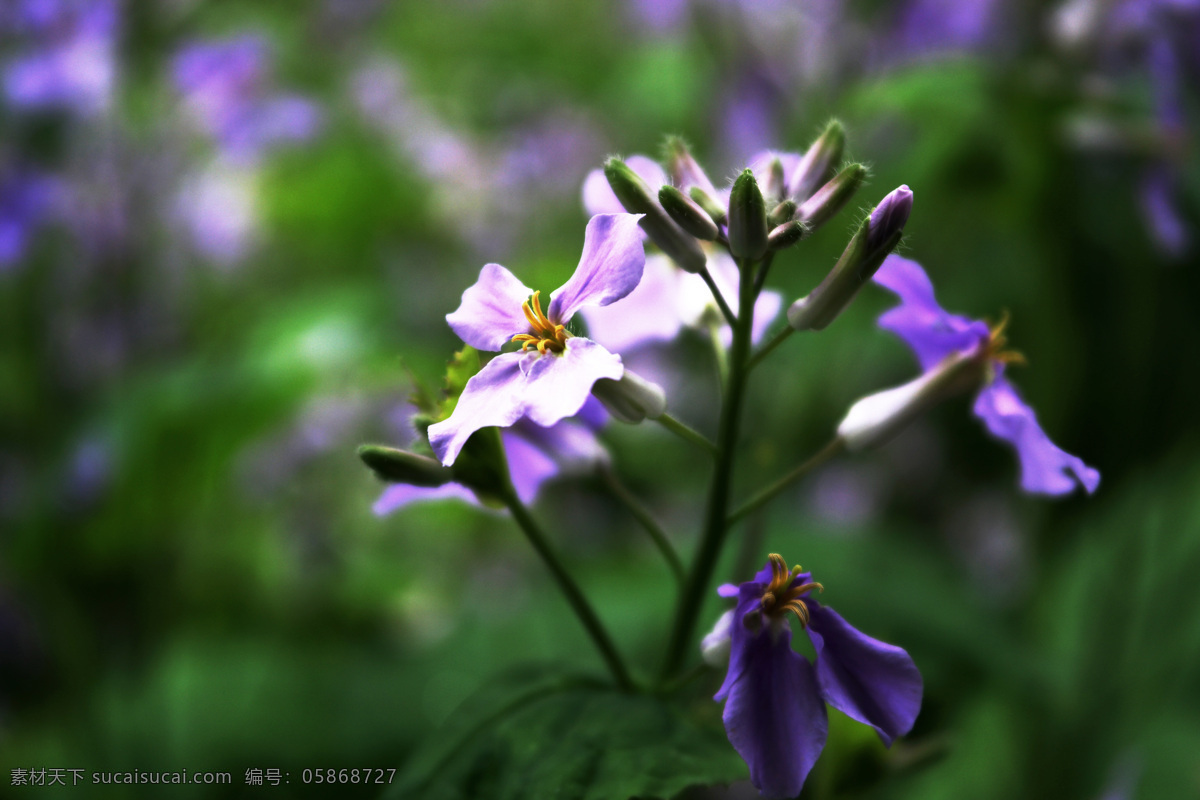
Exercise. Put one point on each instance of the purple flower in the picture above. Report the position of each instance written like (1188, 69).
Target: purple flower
(775, 699)
(668, 298)
(535, 455)
(68, 60)
(552, 375)
(929, 27)
(938, 339)
(227, 89)
(26, 201)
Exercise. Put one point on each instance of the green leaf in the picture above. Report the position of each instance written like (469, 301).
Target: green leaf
(572, 739)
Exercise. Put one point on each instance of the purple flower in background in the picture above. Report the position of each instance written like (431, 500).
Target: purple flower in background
(66, 55)
(535, 455)
(26, 201)
(228, 91)
(935, 335)
(775, 699)
(932, 27)
(552, 375)
(668, 298)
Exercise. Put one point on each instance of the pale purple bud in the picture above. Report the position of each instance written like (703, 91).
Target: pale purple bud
(889, 217)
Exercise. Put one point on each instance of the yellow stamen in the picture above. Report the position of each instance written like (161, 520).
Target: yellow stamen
(544, 334)
(994, 349)
(781, 596)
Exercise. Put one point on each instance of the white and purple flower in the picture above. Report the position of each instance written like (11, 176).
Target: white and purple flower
(535, 455)
(553, 374)
(775, 698)
(952, 349)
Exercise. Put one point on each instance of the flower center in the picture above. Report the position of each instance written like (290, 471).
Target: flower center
(544, 334)
(781, 597)
(993, 349)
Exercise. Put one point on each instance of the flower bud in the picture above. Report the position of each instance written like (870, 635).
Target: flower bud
(636, 197)
(773, 187)
(875, 238)
(781, 213)
(747, 218)
(784, 236)
(687, 214)
(632, 398)
(816, 165)
(708, 203)
(717, 643)
(878, 417)
(832, 197)
(401, 466)
(683, 169)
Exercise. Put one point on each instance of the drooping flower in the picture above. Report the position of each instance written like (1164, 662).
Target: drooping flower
(535, 454)
(668, 299)
(775, 698)
(958, 353)
(554, 372)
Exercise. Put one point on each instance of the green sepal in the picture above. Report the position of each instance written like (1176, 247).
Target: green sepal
(687, 213)
(392, 465)
(747, 218)
(636, 197)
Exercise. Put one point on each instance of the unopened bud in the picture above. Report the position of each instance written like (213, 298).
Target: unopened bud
(832, 197)
(632, 398)
(786, 235)
(717, 644)
(816, 166)
(747, 218)
(773, 187)
(781, 213)
(683, 169)
(708, 203)
(636, 197)
(875, 238)
(689, 216)
(878, 417)
(400, 466)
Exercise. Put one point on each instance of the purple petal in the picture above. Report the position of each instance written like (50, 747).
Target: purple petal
(598, 197)
(401, 494)
(609, 269)
(647, 314)
(1045, 468)
(930, 331)
(1167, 227)
(725, 275)
(866, 679)
(774, 715)
(545, 388)
(490, 313)
(529, 466)
(572, 443)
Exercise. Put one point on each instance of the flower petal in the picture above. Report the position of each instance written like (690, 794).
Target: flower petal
(774, 715)
(1045, 467)
(646, 315)
(868, 680)
(930, 331)
(529, 466)
(544, 387)
(401, 494)
(490, 312)
(609, 269)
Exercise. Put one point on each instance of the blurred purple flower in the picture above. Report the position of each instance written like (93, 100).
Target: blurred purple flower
(65, 54)
(535, 455)
(775, 699)
(934, 335)
(668, 298)
(228, 90)
(27, 200)
(554, 380)
(218, 208)
(936, 27)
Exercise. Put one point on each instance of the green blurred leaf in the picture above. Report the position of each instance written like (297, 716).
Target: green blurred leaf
(570, 738)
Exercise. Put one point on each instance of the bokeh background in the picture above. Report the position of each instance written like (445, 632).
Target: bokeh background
(229, 233)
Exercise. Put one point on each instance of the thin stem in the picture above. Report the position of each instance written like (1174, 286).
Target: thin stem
(761, 277)
(827, 452)
(719, 351)
(685, 432)
(716, 293)
(713, 537)
(766, 349)
(579, 602)
(646, 519)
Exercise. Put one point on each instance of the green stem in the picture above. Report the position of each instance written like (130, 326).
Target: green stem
(719, 352)
(711, 540)
(579, 602)
(761, 277)
(645, 519)
(766, 349)
(827, 452)
(685, 432)
(716, 293)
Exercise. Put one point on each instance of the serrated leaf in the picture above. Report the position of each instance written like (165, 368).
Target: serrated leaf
(572, 739)
(461, 368)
